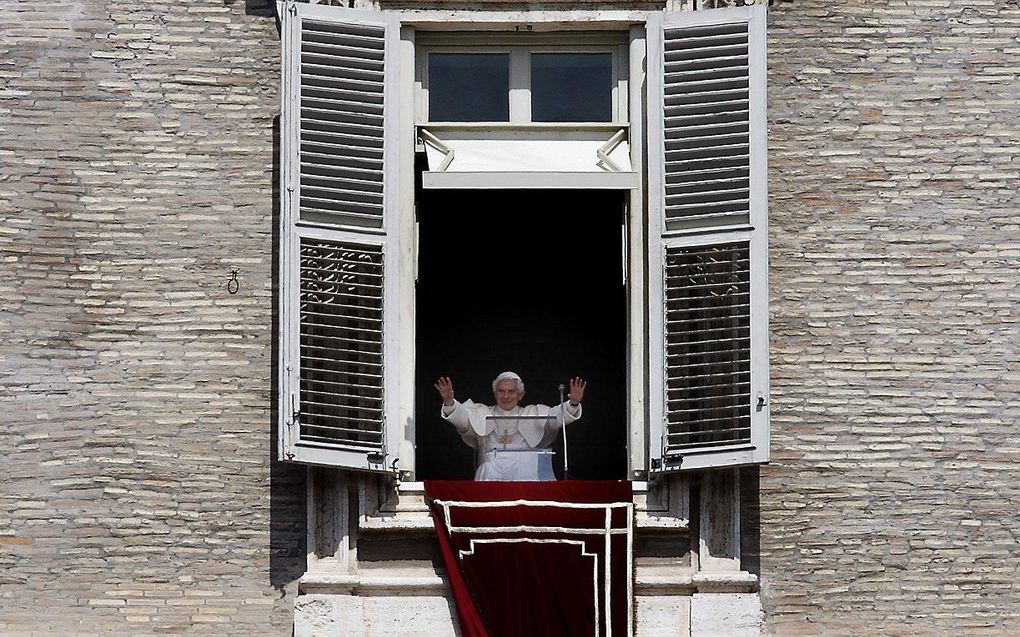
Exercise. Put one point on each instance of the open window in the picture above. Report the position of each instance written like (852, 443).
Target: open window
(670, 190)
(530, 281)
(524, 111)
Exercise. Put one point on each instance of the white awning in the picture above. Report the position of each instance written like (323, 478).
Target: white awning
(527, 158)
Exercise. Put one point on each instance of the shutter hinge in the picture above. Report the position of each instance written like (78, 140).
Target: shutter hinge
(376, 457)
(761, 402)
(292, 9)
(295, 410)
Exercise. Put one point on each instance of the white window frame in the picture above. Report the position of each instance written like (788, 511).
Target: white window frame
(519, 50)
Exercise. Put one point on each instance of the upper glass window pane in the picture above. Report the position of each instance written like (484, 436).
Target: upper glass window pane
(469, 87)
(571, 87)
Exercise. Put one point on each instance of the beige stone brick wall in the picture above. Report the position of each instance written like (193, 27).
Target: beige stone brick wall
(891, 504)
(136, 170)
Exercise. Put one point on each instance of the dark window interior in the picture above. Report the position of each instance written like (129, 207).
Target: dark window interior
(528, 281)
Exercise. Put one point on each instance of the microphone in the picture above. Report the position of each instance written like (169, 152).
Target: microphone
(563, 426)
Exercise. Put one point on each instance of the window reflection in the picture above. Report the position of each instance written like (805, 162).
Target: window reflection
(469, 87)
(571, 87)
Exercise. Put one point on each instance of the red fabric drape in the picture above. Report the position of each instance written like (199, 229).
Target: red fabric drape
(527, 569)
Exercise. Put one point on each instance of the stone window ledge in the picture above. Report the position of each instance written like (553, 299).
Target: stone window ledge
(406, 512)
(429, 584)
(344, 584)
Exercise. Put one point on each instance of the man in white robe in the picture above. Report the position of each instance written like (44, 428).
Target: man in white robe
(497, 432)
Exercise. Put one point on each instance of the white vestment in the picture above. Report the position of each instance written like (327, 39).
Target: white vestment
(489, 429)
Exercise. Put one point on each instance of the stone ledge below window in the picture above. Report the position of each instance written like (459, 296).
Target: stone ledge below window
(406, 512)
(427, 582)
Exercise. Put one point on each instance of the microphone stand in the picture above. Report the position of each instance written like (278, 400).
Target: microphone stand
(563, 426)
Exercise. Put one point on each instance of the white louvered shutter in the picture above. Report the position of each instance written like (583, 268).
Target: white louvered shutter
(708, 239)
(338, 256)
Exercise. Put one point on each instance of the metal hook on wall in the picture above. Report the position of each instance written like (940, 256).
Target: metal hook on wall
(233, 285)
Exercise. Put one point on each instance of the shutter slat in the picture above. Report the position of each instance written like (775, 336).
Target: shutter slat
(707, 386)
(326, 171)
(366, 35)
(720, 403)
(341, 123)
(700, 443)
(369, 102)
(706, 197)
(726, 105)
(315, 164)
(325, 141)
(369, 92)
(700, 99)
(367, 116)
(360, 449)
(348, 52)
(322, 66)
(353, 203)
(374, 378)
(715, 430)
(341, 184)
(345, 295)
(709, 131)
(688, 375)
(725, 210)
(348, 310)
(721, 139)
(341, 431)
(708, 318)
(351, 212)
(694, 78)
(704, 185)
(716, 173)
(347, 328)
(709, 59)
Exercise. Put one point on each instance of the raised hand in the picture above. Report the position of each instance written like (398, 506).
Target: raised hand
(445, 388)
(577, 386)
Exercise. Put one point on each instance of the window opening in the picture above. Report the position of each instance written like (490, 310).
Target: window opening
(527, 281)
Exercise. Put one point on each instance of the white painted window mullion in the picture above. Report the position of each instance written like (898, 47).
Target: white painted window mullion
(520, 84)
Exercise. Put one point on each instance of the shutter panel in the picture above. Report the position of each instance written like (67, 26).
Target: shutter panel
(708, 239)
(338, 243)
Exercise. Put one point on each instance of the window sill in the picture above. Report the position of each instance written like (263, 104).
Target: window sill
(609, 127)
(406, 512)
(430, 583)
(546, 180)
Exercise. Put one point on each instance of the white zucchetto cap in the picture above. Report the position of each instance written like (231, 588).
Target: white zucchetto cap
(508, 376)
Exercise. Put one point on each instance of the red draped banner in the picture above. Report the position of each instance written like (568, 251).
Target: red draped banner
(537, 558)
